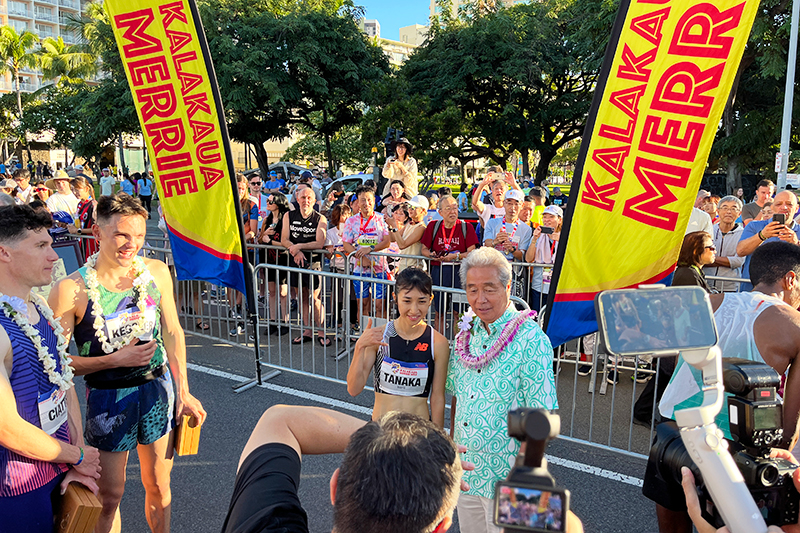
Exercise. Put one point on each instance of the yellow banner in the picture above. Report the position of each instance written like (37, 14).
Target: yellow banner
(171, 79)
(650, 133)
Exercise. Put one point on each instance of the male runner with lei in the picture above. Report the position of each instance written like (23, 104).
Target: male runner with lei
(41, 446)
(408, 357)
(121, 311)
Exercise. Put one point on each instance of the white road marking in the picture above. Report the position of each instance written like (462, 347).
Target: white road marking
(566, 463)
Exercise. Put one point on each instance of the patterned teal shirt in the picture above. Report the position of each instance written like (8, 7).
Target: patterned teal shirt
(521, 376)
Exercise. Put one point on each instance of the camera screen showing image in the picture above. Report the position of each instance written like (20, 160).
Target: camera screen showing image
(529, 508)
(649, 321)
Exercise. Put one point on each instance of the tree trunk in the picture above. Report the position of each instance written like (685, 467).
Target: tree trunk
(545, 157)
(526, 167)
(122, 154)
(19, 108)
(328, 152)
(262, 159)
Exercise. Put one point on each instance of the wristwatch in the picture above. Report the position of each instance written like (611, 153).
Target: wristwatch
(371, 247)
(393, 230)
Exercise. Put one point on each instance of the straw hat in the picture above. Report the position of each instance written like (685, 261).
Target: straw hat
(59, 175)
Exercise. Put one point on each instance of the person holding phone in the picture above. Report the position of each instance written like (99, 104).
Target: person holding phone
(782, 227)
(544, 245)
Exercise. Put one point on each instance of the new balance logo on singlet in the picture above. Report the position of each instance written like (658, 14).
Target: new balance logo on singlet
(421, 347)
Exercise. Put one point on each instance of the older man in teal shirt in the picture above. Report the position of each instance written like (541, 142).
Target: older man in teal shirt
(501, 360)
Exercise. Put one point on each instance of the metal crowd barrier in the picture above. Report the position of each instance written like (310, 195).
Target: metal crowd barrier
(294, 300)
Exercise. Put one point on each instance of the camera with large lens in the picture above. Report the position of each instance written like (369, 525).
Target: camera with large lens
(529, 500)
(756, 424)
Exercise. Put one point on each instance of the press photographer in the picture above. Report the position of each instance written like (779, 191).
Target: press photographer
(761, 326)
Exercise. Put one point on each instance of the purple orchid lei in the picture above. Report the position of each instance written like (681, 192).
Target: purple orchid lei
(475, 362)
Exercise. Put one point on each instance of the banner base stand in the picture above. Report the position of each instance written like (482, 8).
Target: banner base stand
(247, 385)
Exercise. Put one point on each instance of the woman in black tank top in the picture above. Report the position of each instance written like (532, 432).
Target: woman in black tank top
(409, 358)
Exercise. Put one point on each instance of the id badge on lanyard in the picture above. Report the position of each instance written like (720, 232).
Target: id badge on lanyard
(52, 410)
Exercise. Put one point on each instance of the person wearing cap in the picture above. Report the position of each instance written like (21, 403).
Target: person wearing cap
(447, 242)
(543, 249)
(307, 178)
(499, 182)
(8, 186)
(401, 166)
(25, 192)
(559, 199)
(62, 199)
(81, 172)
(408, 238)
(273, 185)
(509, 234)
(107, 182)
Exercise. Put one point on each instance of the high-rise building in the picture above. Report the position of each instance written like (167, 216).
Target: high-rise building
(414, 34)
(45, 18)
(371, 27)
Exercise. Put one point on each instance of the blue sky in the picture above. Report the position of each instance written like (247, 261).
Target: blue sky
(394, 14)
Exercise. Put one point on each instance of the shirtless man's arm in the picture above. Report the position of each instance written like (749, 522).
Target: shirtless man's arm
(777, 336)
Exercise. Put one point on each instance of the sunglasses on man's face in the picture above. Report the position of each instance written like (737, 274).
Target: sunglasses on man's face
(255, 183)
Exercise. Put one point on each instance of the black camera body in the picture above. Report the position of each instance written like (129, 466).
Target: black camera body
(756, 424)
(529, 500)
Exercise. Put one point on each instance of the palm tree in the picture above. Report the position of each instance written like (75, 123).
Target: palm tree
(64, 64)
(16, 53)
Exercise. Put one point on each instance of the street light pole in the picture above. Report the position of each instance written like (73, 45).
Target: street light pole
(788, 101)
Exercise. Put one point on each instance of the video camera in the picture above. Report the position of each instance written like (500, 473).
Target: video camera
(729, 483)
(756, 422)
(392, 136)
(529, 500)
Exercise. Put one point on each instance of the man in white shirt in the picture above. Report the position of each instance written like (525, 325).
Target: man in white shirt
(107, 182)
(23, 179)
(500, 183)
(62, 199)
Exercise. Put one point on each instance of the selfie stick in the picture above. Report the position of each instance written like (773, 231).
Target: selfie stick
(709, 449)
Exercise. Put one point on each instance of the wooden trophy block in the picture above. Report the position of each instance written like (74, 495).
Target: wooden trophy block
(187, 438)
(79, 510)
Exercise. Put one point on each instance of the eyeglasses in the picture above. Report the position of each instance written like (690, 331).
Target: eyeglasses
(728, 208)
(712, 248)
(255, 183)
(270, 201)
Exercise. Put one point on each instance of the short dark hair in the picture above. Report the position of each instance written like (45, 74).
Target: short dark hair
(772, 261)
(413, 278)
(118, 204)
(400, 474)
(765, 183)
(15, 220)
(363, 189)
(21, 174)
(445, 191)
(693, 247)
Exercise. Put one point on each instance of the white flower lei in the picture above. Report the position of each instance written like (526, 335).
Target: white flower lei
(140, 281)
(17, 310)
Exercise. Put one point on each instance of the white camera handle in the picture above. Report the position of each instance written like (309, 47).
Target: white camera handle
(709, 450)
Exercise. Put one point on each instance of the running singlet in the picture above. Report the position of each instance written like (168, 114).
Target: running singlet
(121, 314)
(404, 368)
(303, 230)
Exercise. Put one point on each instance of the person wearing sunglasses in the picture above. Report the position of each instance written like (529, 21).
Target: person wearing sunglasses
(697, 251)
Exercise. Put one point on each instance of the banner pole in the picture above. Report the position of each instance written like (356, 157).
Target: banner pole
(251, 309)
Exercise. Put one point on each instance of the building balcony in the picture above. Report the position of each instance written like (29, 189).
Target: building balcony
(70, 4)
(50, 2)
(45, 17)
(24, 13)
(68, 38)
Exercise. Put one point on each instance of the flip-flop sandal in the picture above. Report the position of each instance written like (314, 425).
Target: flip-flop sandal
(301, 340)
(202, 326)
(324, 341)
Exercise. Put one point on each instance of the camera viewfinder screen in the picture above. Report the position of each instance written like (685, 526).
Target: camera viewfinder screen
(767, 418)
(637, 321)
(530, 508)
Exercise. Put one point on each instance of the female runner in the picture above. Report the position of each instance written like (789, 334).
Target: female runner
(408, 356)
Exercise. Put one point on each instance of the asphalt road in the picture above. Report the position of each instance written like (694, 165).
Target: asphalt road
(603, 483)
